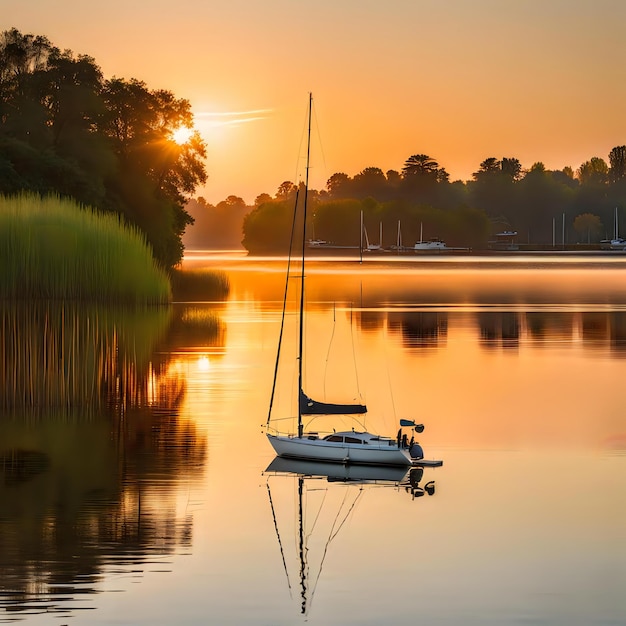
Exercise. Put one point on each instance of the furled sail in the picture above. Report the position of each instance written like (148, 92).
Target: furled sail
(309, 406)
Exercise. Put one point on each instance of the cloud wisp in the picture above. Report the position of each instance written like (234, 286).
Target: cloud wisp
(232, 118)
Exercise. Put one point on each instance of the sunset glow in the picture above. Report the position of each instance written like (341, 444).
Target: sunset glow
(460, 81)
(182, 135)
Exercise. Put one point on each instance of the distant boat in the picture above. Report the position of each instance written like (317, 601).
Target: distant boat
(398, 245)
(432, 245)
(435, 244)
(316, 243)
(374, 247)
(617, 243)
(506, 240)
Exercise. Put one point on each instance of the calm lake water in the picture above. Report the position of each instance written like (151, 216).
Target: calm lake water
(135, 486)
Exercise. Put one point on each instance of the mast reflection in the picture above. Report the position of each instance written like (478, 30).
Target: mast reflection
(314, 482)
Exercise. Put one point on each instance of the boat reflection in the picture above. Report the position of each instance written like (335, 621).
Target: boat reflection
(398, 477)
(315, 481)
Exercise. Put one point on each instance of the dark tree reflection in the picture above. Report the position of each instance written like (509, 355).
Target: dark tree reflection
(420, 329)
(499, 329)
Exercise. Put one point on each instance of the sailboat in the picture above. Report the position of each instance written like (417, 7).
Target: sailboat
(353, 446)
(617, 243)
(398, 245)
(374, 247)
(432, 245)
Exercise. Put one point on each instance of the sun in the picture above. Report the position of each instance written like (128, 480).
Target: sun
(182, 134)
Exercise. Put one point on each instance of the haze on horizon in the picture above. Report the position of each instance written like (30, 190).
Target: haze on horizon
(460, 81)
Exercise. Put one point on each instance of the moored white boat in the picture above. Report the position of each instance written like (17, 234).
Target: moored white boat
(347, 447)
(358, 447)
(432, 245)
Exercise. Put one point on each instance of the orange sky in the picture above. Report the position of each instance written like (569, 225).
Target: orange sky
(462, 80)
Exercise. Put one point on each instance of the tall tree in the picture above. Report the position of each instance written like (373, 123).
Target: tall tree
(617, 160)
(286, 191)
(369, 182)
(339, 186)
(140, 123)
(490, 166)
(593, 172)
(512, 168)
(421, 165)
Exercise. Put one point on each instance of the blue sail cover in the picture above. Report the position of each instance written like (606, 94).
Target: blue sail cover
(312, 407)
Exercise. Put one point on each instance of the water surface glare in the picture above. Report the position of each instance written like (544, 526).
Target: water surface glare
(137, 485)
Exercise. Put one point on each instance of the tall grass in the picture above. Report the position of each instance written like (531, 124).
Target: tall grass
(199, 285)
(52, 248)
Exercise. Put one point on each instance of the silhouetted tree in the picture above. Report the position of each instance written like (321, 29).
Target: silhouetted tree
(617, 159)
(595, 171)
(286, 191)
(339, 186)
(262, 199)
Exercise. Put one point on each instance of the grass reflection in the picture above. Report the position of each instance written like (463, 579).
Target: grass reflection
(93, 445)
(75, 357)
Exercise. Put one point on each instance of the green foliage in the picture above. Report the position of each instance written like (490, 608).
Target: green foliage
(588, 226)
(199, 285)
(52, 248)
(217, 227)
(339, 221)
(105, 143)
(267, 228)
(593, 172)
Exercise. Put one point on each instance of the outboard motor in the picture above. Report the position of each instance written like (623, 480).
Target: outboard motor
(416, 451)
(415, 475)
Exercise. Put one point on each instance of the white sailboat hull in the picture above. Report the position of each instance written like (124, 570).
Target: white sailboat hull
(385, 452)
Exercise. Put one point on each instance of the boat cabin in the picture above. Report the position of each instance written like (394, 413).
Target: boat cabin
(506, 240)
(358, 438)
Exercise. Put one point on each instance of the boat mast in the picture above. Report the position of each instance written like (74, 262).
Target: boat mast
(399, 239)
(361, 241)
(301, 331)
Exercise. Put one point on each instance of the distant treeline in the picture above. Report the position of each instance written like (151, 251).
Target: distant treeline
(502, 195)
(108, 144)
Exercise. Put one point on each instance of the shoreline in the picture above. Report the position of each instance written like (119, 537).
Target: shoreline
(352, 254)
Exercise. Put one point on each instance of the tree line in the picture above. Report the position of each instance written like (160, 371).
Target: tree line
(501, 196)
(107, 143)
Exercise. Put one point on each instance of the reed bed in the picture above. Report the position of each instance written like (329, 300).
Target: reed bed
(199, 285)
(53, 248)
